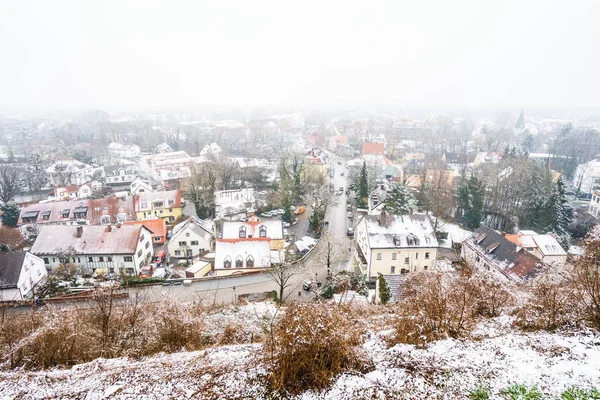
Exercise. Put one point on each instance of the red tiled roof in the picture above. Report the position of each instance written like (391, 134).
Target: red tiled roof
(373, 148)
(157, 226)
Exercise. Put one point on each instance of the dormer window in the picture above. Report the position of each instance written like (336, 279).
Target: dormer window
(227, 262)
(243, 232)
(239, 262)
(171, 202)
(105, 220)
(66, 212)
(249, 262)
(263, 231)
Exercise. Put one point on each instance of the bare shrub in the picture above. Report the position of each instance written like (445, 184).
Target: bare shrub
(177, 327)
(550, 306)
(586, 280)
(309, 346)
(494, 297)
(437, 306)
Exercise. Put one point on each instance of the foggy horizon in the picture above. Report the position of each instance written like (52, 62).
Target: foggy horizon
(465, 55)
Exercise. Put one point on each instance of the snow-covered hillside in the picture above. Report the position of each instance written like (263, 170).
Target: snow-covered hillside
(496, 357)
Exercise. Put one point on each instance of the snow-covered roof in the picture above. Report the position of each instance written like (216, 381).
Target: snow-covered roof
(273, 228)
(258, 249)
(548, 245)
(394, 231)
(202, 228)
(196, 267)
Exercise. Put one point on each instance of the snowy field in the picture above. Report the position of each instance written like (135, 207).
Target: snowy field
(496, 357)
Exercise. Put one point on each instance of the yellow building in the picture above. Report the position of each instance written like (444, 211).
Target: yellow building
(165, 205)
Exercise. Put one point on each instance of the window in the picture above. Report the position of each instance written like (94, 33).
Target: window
(194, 243)
(427, 256)
(147, 245)
(379, 256)
(239, 263)
(392, 270)
(141, 238)
(128, 259)
(46, 261)
(109, 258)
(425, 268)
(105, 220)
(177, 252)
(101, 259)
(404, 271)
(394, 256)
(227, 262)
(416, 256)
(139, 254)
(90, 259)
(144, 205)
(263, 231)
(406, 260)
(183, 243)
(243, 232)
(187, 234)
(171, 218)
(249, 262)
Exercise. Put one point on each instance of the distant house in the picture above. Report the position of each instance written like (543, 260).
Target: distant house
(157, 226)
(234, 203)
(191, 238)
(544, 247)
(118, 150)
(140, 185)
(163, 204)
(373, 149)
(121, 248)
(489, 252)
(391, 244)
(246, 246)
(487, 157)
(20, 275)
(587, 177)
(69, 172)
(168, 169)
(162, 148)
(120, 175)
(211, 150)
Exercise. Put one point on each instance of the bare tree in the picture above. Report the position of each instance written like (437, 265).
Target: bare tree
(282, 275)
(9, 182)
(329, 252)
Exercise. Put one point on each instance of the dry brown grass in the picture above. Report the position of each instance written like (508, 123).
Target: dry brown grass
(310, 345)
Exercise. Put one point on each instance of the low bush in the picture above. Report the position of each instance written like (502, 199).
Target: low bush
(521, 392)
(480, 393)
(309, 346)
(577, 393)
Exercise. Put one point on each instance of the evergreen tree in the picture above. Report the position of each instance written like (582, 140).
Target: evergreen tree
(399, 200)
(384, 290)
(558, 213)
(363, 187)
(10, 214)
(470, 200)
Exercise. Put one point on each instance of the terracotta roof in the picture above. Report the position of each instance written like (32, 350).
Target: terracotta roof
(157, 226)
(373, 148)
(95, 209)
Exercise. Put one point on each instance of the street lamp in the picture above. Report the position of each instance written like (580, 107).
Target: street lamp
(234, 295)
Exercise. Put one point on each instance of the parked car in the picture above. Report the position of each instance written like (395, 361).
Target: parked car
(172, 283)
(339, 163)
(278, 211)
(310, 284)
(267, 214)
(286, 224)
(350, 232)
(300, 210)
(348, 207)
(350, 215)
(342, 173)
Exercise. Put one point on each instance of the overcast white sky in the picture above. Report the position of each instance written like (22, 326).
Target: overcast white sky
(173, 53)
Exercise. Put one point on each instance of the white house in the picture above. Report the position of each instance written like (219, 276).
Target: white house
(69, 172)
(210, 150)
(251, 245)
(118, 150)
(544, 247)
(119, 175)
(120, 248)
(20, 274)
(234, 203)
(140, 185)
(167, 168)
(587, 176)
(393, 244)
(191, 238)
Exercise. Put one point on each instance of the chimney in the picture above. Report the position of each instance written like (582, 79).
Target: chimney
(79, 231)
(382, 217)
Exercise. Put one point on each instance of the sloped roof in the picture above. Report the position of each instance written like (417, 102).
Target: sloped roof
(274, 228)
(10, 269)
(149, 197)
(515, 262)
(407, 231)
(93, 240)
(157, 226)
(373, 148)
(202, 228)
(95, 209)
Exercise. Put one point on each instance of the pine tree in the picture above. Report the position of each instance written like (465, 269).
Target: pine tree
(558, 213)
(384, 290)
(10, 214)
(470, 200)
(363, 187)
(399, 201)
